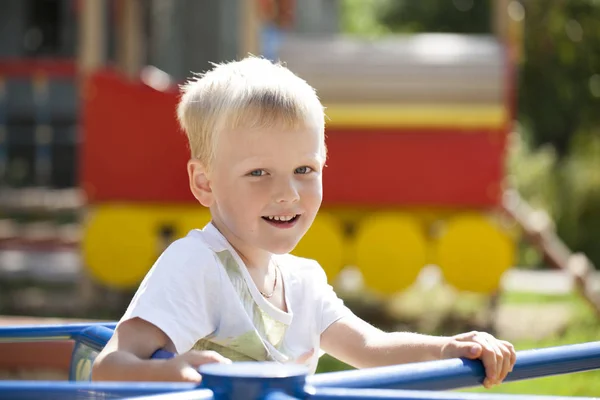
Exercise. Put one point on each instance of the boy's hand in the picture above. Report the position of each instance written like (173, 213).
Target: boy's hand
(185, 366)
(498, 356)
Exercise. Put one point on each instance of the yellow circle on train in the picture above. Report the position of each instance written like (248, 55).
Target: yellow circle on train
(473, 253)
(324, 242)
(390, 251)
(120, 244)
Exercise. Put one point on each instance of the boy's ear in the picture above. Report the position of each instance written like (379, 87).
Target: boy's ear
(199, 182)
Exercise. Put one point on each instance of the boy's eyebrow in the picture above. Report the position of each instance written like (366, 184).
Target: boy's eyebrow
(248, 163)
(249, 160)
(303, 159)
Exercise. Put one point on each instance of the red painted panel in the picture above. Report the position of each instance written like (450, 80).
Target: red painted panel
(134, 151)
(28, 67)
(54, 355)
(414, 167)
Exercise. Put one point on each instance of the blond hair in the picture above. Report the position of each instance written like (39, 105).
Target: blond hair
(251, 93)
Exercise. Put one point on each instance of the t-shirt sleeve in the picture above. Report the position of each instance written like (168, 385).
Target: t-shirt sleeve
(331, 306)
(180, 293)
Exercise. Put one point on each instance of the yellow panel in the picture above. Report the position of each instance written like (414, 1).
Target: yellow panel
(184, 218)
(195, 218)
(427, 116)
(324, 242)
(120, 244)
(473, 253)
(390, 251)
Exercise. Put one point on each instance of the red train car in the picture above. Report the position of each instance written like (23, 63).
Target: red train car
(417, 136)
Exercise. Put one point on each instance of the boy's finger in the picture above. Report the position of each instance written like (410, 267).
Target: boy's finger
(466, 349)
(487, 383)
(191, 375)
(219, 358)
(513, 353)
(506, 362)
(207, 357)
(490, 357)
(467, 336)
(513, 360)
(502, 357)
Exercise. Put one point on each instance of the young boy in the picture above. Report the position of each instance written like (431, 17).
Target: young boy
(232, 292)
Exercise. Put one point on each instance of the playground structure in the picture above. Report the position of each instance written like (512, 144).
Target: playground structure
(417, 134)
(426, 380)
(417, 137)
(415, 177)
(430, 149)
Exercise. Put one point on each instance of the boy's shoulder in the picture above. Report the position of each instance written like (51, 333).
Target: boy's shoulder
(192, 247)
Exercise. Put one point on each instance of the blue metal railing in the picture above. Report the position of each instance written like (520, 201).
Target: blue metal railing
(89, 339)
(32, 333)
(274, 381)
(460, 373)
(33, 390)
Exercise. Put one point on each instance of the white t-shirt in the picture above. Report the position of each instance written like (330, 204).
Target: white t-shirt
(201, 295)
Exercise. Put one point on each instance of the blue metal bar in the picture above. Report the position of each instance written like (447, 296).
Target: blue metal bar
(88, 343)
(280, 396)
(198, 394)
(162, 355)
(47, 332)
(29, 390)
(253, 380)
(460, 373)
(94, 337)
(377, 394)
(273, 381)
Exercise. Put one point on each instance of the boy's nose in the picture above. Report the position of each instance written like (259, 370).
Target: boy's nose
(286, 193)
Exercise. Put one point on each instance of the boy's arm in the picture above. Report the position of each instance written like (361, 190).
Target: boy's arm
(362, 345)
(175, 305)
(126, 356)
(356, 342)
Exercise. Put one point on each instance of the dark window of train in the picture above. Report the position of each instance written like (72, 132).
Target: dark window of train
(42, 33)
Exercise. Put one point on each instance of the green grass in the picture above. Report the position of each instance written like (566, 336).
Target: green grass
(583, 327)
(535, 298)
(579, 384)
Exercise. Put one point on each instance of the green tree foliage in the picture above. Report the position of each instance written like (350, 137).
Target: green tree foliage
(559, 92)
(457, 16)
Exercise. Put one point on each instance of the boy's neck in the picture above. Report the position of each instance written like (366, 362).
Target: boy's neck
(255, 259)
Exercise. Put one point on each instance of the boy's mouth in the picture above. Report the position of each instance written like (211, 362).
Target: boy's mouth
(282, 220)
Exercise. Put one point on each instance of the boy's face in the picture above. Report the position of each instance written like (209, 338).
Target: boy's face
(266, 187)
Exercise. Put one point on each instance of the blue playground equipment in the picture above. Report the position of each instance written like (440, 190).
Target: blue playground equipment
(272, 381)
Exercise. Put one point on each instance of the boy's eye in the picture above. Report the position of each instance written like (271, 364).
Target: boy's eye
(303, 170)
(257, 172)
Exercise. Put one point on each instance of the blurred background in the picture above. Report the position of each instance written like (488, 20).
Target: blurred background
(462, 189)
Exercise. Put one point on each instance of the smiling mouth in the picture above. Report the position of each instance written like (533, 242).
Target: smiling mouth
(281, 220)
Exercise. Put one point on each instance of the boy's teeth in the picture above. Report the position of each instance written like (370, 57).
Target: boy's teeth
(282, 218)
